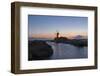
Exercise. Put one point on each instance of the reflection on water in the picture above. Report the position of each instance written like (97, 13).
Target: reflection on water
(67, 51)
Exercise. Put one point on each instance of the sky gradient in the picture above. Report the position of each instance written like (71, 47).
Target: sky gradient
(41, 26)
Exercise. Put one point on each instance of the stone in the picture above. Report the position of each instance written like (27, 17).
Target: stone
(39, 50)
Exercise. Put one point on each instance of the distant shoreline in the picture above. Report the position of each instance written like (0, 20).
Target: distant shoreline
(75, 42)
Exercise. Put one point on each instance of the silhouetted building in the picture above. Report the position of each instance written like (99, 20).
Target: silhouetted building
(57, 34)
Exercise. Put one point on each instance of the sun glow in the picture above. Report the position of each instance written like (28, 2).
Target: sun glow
(69, 35)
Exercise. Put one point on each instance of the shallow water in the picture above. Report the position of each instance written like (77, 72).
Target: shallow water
(67, 51)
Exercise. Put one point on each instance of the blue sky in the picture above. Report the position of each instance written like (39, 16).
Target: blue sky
(42, 25)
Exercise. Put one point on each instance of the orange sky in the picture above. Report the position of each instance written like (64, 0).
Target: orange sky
(53, 35)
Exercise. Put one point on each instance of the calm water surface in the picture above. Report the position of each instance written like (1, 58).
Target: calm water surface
(67, 51)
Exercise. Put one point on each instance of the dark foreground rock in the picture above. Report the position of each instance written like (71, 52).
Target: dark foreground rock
(39, 50)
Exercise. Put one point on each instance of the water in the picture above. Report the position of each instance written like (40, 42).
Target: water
(67, 51)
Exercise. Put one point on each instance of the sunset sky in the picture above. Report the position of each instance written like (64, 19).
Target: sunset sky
(41, 26)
